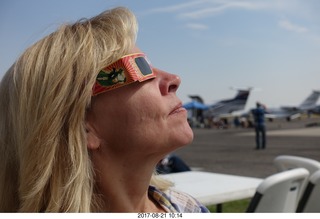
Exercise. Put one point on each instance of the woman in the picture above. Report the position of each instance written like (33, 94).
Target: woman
(84, 121)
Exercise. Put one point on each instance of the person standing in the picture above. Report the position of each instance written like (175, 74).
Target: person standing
(259, 124)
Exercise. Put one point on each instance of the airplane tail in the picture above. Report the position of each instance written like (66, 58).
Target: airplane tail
(240, 100)
(242, 95)
(311, 101)
(228, 106)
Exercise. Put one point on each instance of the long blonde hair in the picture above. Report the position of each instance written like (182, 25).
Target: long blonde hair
(45, 166)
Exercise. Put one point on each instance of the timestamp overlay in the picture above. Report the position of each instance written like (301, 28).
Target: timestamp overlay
(159, 215)
(152, 215)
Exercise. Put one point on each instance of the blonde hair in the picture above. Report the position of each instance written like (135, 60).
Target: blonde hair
(45, 165)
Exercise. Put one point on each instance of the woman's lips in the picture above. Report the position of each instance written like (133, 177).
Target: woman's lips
(178, 109)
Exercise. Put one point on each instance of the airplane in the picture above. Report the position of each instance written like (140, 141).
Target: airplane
(226, 108)
(293, 112)
(197, 109)
(222, 107)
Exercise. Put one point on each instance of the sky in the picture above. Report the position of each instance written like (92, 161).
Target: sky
(215, 46)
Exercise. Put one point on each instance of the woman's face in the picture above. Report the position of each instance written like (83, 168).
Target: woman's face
(142, 117)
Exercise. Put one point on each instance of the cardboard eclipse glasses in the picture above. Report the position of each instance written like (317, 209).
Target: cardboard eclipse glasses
(126, 70)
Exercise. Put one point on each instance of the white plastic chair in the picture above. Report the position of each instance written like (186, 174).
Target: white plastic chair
(285, 162)
(279, 192)
(310, 200)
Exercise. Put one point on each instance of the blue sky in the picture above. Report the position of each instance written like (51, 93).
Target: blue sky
(271, 45)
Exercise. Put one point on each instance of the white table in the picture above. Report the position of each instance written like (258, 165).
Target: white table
(214, 188)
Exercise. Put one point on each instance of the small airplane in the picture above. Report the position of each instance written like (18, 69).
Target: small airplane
(290, 113)
(222, 108)
(219, 110)
(225, 108)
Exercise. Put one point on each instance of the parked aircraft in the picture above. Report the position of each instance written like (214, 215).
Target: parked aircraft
(225, 108)
(292, 112)
(221, 109)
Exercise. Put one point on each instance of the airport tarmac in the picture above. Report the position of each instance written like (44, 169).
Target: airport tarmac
(232, 151)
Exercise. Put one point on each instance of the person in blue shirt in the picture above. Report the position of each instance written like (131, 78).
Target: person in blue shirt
(259, 124)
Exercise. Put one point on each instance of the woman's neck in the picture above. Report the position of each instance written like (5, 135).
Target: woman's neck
(124, 184)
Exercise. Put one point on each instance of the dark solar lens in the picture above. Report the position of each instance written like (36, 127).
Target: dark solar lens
(143, 65)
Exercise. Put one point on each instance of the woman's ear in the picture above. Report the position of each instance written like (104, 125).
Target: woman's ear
(93, 141)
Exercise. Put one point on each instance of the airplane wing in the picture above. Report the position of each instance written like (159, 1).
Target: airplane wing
(292, 112)
(282, 113)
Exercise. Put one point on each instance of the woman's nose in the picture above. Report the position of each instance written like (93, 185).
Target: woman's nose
(169, 83)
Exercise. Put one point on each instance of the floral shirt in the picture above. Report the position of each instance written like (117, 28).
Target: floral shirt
(175, 201)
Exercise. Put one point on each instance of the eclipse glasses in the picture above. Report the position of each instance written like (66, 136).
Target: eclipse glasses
(126, 70)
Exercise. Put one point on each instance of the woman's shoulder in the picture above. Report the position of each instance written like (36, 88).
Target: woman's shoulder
(177, 201)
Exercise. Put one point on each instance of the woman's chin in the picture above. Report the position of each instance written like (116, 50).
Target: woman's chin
(186, 136)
